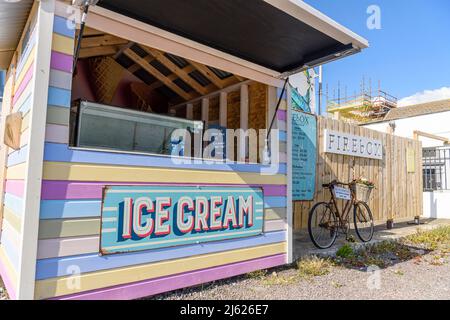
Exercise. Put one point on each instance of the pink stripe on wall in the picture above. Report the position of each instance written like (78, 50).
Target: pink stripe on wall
(281, 115)
(60, 61)
(61, 190)
(56, 133)
(7, 281)
(183, 280)
(15, 187)
(26, 79)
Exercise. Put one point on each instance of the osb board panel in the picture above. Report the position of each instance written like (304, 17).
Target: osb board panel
(214, 109)
(257, 105)
(233, 110)
(398, 193)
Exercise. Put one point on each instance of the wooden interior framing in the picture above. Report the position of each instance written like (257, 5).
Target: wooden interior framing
(186, 79)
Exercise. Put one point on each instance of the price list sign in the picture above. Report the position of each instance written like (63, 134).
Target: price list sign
(304, 155)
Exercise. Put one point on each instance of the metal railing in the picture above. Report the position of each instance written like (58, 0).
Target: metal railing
(436, 168)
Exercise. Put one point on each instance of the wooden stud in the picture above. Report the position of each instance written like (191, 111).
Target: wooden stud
(181, 73)
(244, 107)
(102, 40)
(122, 49)
(135, 67)
(98, 51)
(158, 75)
(223, 104)
(190, 111)
(205, 111)
(88, 31)
(206, 72)
(244, 148)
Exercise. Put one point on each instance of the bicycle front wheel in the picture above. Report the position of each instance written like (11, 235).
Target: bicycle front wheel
(322, 225)
(363, 221)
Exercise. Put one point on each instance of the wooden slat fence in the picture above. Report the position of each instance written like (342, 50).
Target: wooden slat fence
(398, 193)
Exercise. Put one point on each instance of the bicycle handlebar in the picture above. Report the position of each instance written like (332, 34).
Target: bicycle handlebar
(333, 183)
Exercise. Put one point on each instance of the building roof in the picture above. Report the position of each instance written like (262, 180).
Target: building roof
(415, 110)
(418, 110)
(13, 16)
(285, 36)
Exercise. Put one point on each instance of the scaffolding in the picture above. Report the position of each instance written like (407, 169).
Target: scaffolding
(362, 108)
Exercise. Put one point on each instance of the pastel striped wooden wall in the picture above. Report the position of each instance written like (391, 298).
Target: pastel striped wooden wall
(21, 77)
(71, 207)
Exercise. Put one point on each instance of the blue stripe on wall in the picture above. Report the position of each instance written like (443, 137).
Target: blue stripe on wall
(58, 267)
(14, 203)
(26, 105)
(282, 136)
(59, 209)
(61, 153)
(275, 202)
(26, 53)
(59, 97)
(279, 90)
(18, 156)
(11, 251)
(64, 27)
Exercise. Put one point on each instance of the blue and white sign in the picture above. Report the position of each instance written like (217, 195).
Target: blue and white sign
(148, 217)
(304, 155)
(342, 193)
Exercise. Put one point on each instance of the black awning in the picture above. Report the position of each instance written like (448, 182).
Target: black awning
(252, 30)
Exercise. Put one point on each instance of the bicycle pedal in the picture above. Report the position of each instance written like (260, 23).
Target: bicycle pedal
(350, 239)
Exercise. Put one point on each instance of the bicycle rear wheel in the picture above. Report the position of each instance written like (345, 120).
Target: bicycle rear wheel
(322, 225)
(363, 220)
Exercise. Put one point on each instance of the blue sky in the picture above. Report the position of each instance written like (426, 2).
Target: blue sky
(409, 54)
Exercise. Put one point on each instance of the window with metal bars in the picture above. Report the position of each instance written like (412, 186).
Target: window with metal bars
(436, 168)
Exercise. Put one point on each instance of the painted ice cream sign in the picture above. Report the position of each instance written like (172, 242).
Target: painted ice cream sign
(149, 217)
(352, 145)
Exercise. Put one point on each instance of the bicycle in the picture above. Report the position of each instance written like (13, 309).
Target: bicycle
(325, 219)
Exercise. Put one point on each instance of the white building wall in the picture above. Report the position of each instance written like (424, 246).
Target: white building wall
(436, 204)
(436, 123)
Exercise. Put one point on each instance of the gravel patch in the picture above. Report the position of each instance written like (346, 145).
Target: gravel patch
(3, 295)
(415, 267)
(419, 278)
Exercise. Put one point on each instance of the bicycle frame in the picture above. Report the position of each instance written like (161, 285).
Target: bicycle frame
(344, 216)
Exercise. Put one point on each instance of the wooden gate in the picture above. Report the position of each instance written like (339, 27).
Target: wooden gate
(398, 177)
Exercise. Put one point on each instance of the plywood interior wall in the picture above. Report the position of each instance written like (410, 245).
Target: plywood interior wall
(257, 105)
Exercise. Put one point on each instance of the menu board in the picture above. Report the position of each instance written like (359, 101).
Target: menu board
(304, 155)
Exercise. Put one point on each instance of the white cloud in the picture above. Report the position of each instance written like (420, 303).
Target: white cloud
(425, 96)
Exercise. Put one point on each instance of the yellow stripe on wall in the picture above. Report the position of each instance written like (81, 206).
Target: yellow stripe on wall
(16, 172)
(14, 221)
(283, 105)
(60, 228)
(106, 278)
(62, 44)
(24, 138)
(90, 172)
(9, 268)
(25, 122)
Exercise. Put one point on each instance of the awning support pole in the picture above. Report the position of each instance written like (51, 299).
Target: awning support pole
(278, 106)
(80, 35)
